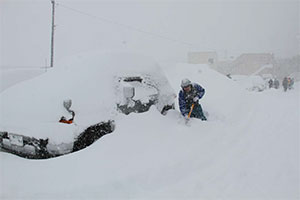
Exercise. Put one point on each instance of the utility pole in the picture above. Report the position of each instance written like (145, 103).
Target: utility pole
(52, 33)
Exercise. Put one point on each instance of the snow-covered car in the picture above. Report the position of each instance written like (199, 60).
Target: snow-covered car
(138, 93)
(99, 87)
(253, 83)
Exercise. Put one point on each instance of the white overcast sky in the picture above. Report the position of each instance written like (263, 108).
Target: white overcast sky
(165, 30)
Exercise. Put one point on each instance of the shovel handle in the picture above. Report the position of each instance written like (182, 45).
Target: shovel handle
(192, 107)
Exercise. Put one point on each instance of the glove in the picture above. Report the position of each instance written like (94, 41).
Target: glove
(195, 99)
(186, 117)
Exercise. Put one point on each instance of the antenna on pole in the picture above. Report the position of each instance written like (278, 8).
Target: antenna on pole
(52, 33)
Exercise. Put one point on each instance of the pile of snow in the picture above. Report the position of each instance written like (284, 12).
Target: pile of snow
(268, 66)
(248, 149)
(222, 95)
(33, 108)
(10, 77)
(251, 83)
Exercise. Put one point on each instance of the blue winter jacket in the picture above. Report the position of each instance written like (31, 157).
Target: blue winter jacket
(186, 99)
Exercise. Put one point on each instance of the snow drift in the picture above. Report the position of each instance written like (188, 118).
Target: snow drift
(34, 107)
(248, 148)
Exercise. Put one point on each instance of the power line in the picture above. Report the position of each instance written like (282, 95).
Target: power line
(126, 26)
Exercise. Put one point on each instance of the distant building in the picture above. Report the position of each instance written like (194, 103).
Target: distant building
(202, 57)
(247, 64)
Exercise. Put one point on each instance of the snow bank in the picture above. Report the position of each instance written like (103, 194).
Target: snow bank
(251, 83)
(222, 99)
(34, 107)
(10, 77)
(150, 156)
(248, 148)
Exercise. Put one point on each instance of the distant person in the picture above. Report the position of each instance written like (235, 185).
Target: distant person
(285, 84)
(270, 83)
(290, 83)
(276, 84)
(189, 97)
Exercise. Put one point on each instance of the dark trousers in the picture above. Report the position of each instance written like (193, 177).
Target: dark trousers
(198, 112)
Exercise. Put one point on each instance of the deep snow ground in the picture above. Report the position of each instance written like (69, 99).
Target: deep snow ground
(248, 149)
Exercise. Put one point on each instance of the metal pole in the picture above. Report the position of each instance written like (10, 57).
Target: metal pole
(52, 34)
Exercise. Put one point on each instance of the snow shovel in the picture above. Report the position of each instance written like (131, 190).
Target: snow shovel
(192, 107)
(189, 115)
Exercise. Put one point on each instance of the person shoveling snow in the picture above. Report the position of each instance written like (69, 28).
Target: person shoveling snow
(189, 100)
